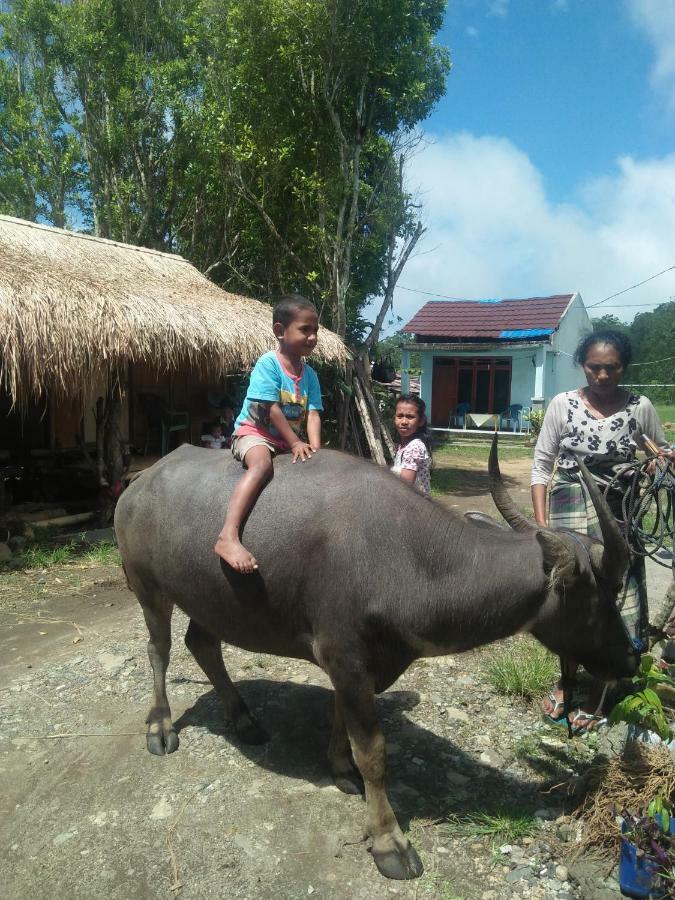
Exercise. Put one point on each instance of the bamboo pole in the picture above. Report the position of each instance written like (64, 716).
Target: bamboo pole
(375, 447)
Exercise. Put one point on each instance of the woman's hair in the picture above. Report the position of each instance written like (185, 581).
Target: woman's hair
(422, 432)
(615, 339)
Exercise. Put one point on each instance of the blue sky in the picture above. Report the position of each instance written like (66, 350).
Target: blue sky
(549, 165)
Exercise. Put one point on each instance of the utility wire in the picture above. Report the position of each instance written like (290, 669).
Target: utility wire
(625, 290)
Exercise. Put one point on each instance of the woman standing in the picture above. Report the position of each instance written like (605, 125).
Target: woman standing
(603, 424)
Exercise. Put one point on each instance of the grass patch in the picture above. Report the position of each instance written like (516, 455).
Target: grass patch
(40, 557)
(443, 481)
(524, 669)
(103, 554)
(448, 453)
(666, 413)
(507, 825)
(43, 553)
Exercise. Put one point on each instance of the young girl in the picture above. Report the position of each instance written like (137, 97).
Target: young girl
(413, 454)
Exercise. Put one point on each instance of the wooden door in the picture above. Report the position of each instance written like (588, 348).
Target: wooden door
(443, 391)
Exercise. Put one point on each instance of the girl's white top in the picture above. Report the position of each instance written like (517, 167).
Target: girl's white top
(415, 457)
(570, 430)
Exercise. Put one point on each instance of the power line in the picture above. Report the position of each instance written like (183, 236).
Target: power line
(431, 294)
(589, 306)
(625, 290)
(652, 361)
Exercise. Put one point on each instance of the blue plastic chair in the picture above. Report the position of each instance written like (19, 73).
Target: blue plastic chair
(512, 415)
(457, 418)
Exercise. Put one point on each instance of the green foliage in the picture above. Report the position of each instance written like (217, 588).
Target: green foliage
(652, 336)
(506, 824)
(524, 669)
(42, 553)
(260, 138)
(643, 707)
(536, 419)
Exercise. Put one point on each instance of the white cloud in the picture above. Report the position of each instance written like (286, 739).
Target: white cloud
(498, 8)
(494, 232)
(560, 5)
(656, 19)
(471, 31)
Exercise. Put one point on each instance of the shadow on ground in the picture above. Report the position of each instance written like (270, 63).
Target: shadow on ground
(298, 718)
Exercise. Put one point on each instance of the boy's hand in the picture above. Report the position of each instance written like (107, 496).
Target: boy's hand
(302, 451)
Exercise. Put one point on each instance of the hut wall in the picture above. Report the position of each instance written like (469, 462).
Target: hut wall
(183, 390)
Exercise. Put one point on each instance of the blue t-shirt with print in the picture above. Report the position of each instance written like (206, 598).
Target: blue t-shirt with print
(272, 383)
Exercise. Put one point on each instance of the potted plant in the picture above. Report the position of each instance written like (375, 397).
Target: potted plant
(647, 863)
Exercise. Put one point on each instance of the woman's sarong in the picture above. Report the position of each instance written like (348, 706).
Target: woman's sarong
(570, 506)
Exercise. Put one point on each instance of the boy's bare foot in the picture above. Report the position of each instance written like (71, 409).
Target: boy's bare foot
(236, 555)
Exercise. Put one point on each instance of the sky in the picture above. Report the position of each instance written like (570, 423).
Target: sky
(549, 165)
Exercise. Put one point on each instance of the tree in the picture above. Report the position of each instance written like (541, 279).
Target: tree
(306, 104)
(42, 174)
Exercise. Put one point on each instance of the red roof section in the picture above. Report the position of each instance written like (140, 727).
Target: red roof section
(487, 319)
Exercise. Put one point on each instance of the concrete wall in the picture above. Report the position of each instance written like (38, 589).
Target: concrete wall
(523, 372)
(566, 375)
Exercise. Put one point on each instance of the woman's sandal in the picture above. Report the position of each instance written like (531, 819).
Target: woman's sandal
(583, 722)
(557, 714)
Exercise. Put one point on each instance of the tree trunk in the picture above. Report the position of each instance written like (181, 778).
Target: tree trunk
(109, 457)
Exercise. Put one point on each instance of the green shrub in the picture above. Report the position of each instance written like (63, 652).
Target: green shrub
(523, 669)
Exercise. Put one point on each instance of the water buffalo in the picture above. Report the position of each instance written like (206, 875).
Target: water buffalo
(360, 575)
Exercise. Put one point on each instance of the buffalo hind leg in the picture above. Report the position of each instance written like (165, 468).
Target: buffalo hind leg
(160, 737)
(208, 651)
(347, 776)
(393, 853)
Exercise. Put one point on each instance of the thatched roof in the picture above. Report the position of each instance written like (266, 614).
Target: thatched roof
(71, 306)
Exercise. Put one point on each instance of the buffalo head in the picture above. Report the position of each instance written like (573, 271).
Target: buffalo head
(579, 618)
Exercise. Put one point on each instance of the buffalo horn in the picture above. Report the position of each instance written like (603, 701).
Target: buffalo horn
(502, 498)
(615, 550)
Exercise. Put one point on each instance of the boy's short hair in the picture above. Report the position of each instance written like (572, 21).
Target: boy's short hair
(287, 306)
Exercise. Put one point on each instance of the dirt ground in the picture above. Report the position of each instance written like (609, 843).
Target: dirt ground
(86, 811)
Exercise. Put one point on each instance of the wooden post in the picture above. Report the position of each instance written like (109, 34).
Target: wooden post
(373, 443)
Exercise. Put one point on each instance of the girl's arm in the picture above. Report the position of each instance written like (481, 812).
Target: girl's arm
(314, 429)
(408, 475)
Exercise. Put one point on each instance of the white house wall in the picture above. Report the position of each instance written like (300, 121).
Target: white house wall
(565, 374)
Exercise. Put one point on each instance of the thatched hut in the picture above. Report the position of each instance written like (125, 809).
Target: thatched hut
(79, 314)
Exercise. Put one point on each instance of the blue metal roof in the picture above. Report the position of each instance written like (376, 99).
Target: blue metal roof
(526, 332)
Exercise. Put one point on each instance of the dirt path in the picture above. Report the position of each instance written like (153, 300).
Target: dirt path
(87, 812)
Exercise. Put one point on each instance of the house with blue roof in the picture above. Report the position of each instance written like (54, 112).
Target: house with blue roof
(486, 363)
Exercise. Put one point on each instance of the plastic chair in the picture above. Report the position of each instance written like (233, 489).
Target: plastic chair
(163, 421)
(457, 418)
(525, 424)
(513, 415)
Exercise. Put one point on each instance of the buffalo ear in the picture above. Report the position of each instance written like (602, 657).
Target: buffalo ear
(560, 562)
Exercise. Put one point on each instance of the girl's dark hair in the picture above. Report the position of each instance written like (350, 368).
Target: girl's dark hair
(615, 339)
(422, 432)
(286, 308)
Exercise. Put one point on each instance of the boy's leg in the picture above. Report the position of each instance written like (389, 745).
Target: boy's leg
(258, 472)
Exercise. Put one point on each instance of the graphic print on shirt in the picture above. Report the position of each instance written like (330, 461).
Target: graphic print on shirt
(293, 407)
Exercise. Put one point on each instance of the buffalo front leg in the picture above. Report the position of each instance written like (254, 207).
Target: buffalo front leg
(161, 737)
(208, 652)
(393, 853)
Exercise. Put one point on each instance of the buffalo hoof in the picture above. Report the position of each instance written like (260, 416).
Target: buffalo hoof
(399, 864)
(248, 730)
(162, 742)
(349, 784)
